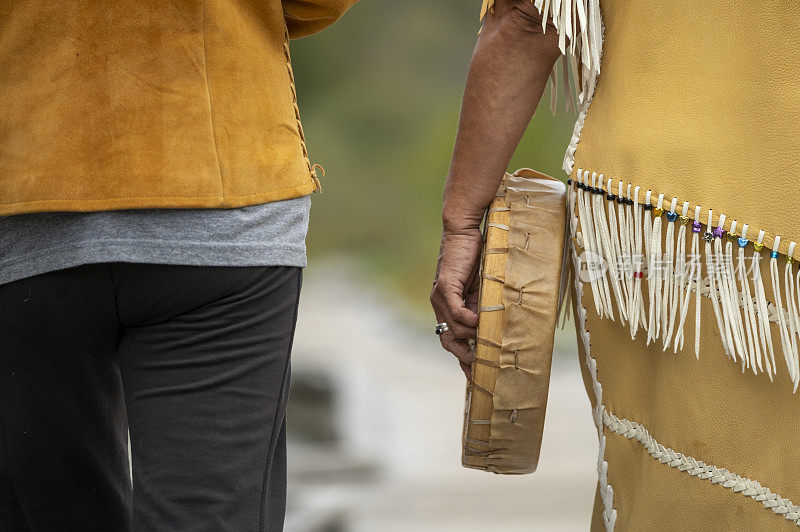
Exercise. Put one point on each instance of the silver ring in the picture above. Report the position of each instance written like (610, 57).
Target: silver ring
(441, 328)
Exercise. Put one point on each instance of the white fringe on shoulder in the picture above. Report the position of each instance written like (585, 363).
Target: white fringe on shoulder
(580, 38)
(579, 26)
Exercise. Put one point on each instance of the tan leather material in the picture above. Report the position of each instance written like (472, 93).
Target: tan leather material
(115, 104)
(507, 399)
(705, 408)
(701, 102)
(307, 17)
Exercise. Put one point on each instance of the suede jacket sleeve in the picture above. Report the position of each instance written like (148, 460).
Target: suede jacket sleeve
(307, 17)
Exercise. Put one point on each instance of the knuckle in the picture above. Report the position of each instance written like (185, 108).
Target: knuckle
(437, 293)
(465, 333)
(447, 342)
(457, 330)
(445, 281)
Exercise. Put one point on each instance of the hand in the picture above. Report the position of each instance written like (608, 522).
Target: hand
(455, 291)
(510, 67)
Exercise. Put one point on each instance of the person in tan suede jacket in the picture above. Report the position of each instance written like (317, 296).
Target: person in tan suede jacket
(194, 100)
(154, 184)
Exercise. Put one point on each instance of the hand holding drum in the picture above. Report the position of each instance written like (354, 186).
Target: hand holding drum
(522, 286)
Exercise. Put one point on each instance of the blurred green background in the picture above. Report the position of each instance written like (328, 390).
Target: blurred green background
(375, 420)
(380, 93)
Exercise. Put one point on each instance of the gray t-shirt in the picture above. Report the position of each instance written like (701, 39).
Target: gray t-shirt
(271, 234)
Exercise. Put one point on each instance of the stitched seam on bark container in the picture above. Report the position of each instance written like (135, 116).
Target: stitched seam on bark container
(525, 239)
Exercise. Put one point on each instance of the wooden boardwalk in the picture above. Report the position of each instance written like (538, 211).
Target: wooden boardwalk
(398, 405)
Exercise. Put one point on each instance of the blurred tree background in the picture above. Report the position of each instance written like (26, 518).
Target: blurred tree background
(380, 93)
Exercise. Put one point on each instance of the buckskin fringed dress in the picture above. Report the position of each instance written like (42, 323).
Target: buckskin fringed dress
(684, 172)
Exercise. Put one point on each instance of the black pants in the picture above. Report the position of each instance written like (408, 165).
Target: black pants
(194, 361)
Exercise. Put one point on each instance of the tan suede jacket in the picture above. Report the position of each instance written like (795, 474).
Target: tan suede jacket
(116, 104)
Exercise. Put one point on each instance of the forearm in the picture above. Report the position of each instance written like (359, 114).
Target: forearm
(507, 75)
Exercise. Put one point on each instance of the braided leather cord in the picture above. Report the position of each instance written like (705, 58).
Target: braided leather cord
(700, 469)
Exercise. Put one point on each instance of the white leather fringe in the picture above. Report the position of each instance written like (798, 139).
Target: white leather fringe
(647, 280)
